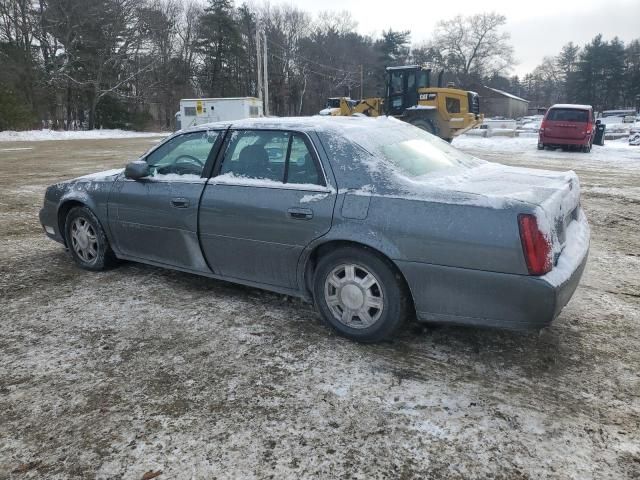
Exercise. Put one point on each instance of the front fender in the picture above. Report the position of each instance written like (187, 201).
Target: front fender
(93, 195)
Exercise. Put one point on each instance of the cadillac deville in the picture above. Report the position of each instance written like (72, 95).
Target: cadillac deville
(373, 220)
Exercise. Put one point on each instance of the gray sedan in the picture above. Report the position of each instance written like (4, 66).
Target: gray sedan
(373, 220)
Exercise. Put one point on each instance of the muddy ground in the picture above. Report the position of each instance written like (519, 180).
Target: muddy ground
(138, 369)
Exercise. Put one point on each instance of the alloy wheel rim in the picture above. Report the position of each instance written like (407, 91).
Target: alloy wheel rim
(354, 296)
(84, 240)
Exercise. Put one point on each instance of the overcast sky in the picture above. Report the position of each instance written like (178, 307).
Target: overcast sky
(537, 30)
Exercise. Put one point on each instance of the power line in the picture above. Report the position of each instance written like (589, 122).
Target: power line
(325, 75)
(296, 55)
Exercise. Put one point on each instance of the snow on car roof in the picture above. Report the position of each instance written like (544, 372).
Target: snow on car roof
(315, 123)
(571, 105)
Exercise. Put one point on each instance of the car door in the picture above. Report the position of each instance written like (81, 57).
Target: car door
(155, 218)
(268, 200)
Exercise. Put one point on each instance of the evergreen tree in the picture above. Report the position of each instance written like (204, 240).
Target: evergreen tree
(567, 62)
(220, 43)
(394, 47)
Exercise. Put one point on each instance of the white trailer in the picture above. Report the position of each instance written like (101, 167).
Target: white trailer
(196, 111)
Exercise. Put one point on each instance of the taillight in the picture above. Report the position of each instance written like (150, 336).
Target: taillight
(543, 125)
(535, 246)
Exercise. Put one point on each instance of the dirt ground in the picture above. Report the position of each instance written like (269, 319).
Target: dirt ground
(138, 369)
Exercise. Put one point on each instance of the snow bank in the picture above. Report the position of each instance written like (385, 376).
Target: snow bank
(533, 126)
(614, 152)
(44, 135)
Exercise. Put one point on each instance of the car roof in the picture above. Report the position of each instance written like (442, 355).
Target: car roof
(575, 106)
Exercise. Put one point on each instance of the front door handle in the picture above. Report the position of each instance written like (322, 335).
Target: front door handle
(300, 213)
(180, 202)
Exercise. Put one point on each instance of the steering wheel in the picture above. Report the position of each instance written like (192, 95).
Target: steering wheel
(189, 157)
(188, 166)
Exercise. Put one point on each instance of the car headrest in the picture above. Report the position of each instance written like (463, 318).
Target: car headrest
(254, 154)
(253, 161)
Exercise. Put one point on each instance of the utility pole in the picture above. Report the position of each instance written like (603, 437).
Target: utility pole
(265, 70)
(361, 81)
(258, 63)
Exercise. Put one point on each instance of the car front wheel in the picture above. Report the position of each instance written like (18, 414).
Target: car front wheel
(87, 241)
(360, 295)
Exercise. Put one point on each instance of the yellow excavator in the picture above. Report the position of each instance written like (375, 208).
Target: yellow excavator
(410, 96)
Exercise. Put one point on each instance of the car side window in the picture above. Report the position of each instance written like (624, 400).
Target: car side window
(302, 168)
(256, 154)
(271, 155)
(184, 155)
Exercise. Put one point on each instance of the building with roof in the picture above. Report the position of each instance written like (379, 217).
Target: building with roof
(498, 103)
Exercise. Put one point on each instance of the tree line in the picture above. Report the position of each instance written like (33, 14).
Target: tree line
(127, 63)
(604, 74)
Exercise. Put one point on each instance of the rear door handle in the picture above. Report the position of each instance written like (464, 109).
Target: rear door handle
(180, 202)
(300, 213)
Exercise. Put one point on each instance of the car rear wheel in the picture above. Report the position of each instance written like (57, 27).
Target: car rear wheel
(586, 148)
(87, 241)
(541, 146)
(360, 295)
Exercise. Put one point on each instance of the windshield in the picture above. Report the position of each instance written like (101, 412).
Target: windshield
(413, 152)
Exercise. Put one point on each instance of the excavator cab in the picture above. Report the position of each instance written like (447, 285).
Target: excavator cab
(402, 87)
(417, 96)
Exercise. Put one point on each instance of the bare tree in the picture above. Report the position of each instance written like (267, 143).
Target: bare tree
(101, 39)
(286, 26)
(474, 46)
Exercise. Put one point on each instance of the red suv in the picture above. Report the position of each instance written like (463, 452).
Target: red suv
(567, 126)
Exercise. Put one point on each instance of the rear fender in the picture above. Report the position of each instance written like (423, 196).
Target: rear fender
(344, 232)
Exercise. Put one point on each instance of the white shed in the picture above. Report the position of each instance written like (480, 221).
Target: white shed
(196, 111)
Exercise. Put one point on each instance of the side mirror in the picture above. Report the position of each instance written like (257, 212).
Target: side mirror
(137, 169)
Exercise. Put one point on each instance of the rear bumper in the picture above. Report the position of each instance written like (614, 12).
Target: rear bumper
(551, 141)
(489, 299)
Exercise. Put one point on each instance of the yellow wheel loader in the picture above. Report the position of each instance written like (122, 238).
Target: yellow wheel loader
(443, 111)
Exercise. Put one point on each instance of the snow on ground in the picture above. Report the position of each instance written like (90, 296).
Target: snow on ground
(614, 152)
(44, 135)
(112, 374)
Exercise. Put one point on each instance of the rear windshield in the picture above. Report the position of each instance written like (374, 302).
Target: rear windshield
(411, 151)
(568, 115)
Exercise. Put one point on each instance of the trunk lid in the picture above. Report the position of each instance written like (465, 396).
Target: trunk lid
(555, 195)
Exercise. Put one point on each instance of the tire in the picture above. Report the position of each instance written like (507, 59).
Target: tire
(541, 146)
(351, 282)
(86, 240)
(586, 149)
(426, 125)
